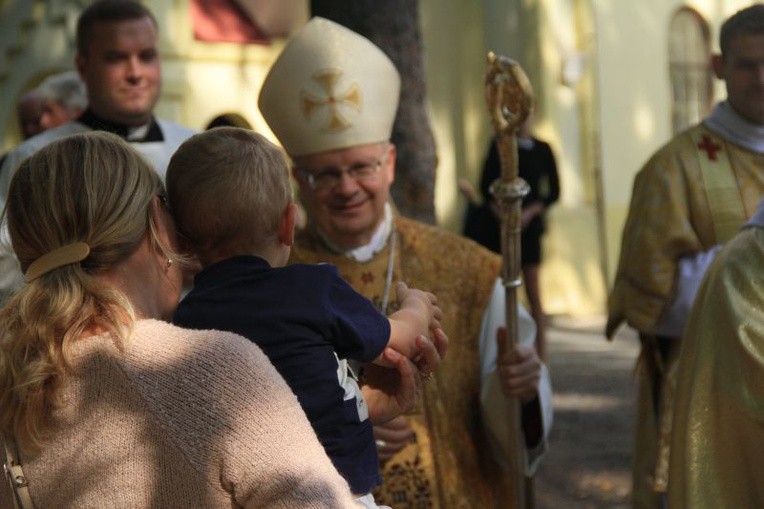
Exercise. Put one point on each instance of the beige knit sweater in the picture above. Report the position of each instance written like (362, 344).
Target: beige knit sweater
(181, 419)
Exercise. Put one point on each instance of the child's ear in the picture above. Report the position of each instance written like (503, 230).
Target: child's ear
(286, 226)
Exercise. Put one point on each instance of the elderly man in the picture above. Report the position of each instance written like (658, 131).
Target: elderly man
(689, 199)
(65, 98)
(58, 99)
(118, 60)
(331, 98)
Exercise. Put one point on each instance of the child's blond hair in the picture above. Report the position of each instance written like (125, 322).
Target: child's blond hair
(228, 189)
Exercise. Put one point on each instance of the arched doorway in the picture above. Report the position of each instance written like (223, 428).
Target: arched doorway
(689, 68)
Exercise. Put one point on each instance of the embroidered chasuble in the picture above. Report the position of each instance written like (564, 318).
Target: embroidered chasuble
(672, 216)
(669, 218)
(717, 449)
(449, 465)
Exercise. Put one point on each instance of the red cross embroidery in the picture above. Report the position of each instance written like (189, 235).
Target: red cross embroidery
(367, 277)
(709, 146)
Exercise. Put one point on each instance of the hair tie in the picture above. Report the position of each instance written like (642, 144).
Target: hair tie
(64, 255)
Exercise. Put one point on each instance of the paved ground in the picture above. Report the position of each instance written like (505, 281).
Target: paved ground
(588, 464)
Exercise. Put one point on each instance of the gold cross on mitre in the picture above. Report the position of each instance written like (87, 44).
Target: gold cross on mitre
(311, 102)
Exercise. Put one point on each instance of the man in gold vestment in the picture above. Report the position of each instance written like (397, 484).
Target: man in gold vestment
(717, 444)
(331, 99)
(688, 200)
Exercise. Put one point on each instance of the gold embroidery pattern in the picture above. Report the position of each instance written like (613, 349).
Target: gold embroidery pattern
(406, 486)
(312, 103)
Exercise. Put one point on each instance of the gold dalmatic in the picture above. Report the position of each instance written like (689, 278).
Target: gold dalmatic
(691, 195)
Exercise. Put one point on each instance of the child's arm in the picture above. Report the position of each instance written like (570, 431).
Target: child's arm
(391, 392)
(418, 315)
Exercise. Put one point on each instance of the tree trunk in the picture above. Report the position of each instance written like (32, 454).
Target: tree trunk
(393, 25)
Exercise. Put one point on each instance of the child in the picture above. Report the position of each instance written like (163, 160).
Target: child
(230, 195)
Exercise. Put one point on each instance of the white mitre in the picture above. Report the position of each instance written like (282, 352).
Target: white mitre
(330, 89)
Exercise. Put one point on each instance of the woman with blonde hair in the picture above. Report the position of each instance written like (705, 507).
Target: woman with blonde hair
(102, 403)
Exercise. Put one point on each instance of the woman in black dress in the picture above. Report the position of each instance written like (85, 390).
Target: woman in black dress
(538, 168)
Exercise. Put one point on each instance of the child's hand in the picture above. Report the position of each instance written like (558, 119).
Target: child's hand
(391, 392)
(419, 315)
(423, 302)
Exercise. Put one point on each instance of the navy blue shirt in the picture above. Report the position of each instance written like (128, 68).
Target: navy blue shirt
(300, 316)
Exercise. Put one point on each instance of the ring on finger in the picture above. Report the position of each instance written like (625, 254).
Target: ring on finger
(380, 443)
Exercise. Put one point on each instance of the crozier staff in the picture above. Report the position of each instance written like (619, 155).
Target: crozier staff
(509, 98)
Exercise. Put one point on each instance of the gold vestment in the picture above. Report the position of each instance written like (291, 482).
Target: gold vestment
(449, 465)
(717, 443)
(669, 218)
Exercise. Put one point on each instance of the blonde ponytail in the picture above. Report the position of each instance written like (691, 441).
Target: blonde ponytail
(91, 188)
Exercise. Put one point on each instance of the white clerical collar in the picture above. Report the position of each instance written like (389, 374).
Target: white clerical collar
(726, 122)
(376, 244)
(137, 133)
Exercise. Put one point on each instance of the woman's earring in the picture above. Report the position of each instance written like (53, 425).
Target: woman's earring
(169, 264)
